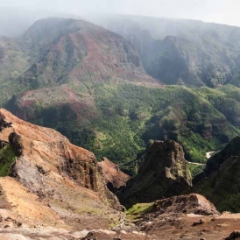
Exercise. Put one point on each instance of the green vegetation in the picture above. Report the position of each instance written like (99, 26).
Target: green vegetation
(195, 169)
(7, 158)
(107, 111)
(127, 116)
(138, 210)
(131, 115)
(222, 187)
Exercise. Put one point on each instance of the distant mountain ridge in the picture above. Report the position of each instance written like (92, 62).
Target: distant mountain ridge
(68, 50)
(186, 52)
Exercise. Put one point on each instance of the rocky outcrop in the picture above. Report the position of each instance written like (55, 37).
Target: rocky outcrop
(178, 206)
(61, 175)
(189, 216)
(164, 173)
(114, 177)
(56, 189)
(188, 204)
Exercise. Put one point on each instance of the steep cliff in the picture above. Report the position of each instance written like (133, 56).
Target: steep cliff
(58, 174)
(114, 177)
(164, 173)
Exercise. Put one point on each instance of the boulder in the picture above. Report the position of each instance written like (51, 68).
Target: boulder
(187, 204)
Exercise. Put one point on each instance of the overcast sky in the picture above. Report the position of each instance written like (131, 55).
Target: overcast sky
(221, 11)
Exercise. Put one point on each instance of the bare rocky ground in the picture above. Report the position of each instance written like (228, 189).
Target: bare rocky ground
(187, 217)
(166, 221)
(165, 227)
(191, 226)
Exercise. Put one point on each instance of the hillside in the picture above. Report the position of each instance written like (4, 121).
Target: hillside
(13, 60)
(90, 84)
(186, 52)
(219, 181)
(154, 96)
(68, 50)
(117, 120)
(55, 51)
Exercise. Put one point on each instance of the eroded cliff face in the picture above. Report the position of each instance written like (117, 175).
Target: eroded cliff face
(164, 173)
(59, 174)
(114, 177)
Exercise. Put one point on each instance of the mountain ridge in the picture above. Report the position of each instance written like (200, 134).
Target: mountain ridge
(211, 54)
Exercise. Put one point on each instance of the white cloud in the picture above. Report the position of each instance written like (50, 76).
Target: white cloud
(223, 11)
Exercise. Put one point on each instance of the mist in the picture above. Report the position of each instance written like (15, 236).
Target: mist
(25, 12)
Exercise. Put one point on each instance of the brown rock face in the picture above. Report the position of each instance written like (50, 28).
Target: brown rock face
(64, 158)
(189, 204)
(60, 174)
(164, 173)
(114, 177)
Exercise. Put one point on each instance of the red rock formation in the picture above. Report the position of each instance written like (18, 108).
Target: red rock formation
(62, 175)
(114, 177)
